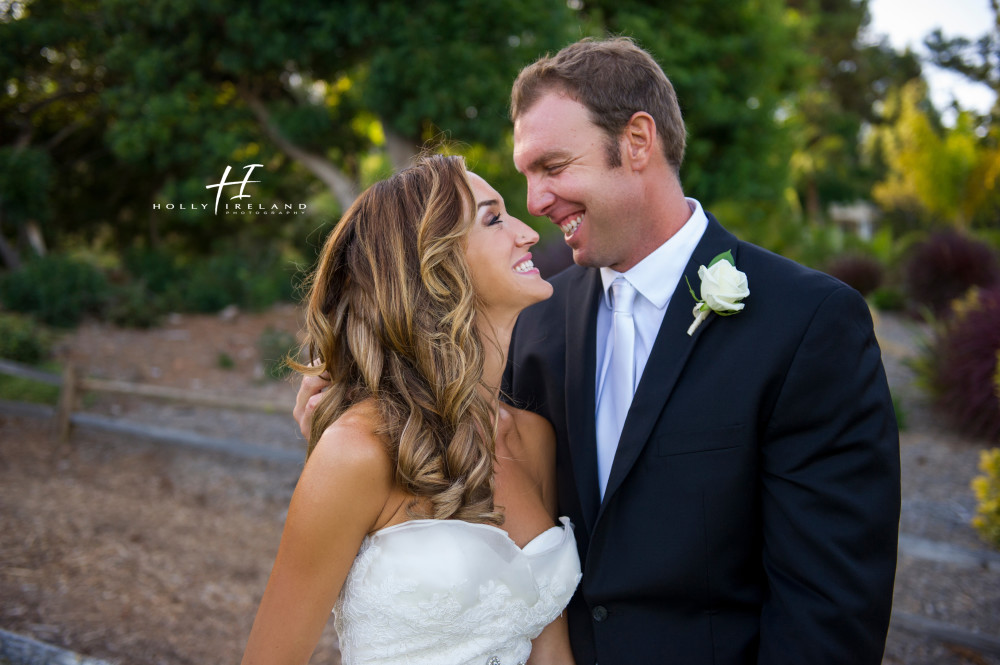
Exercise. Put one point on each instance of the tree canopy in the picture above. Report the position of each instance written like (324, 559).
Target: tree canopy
(112, 109)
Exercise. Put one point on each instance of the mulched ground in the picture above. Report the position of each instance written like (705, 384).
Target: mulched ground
(138, 552)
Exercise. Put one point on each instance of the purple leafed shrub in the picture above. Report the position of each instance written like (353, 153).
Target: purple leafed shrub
(857, 270)
(964, 366)
(945, 267)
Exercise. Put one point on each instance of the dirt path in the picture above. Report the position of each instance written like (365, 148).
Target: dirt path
(135, 552)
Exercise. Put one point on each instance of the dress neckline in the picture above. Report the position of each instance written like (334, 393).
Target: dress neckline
(564, 526)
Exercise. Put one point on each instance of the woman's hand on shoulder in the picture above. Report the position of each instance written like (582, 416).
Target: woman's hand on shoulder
(337, 501)
(308, 397)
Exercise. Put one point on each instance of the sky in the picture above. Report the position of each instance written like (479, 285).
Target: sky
(907, 22)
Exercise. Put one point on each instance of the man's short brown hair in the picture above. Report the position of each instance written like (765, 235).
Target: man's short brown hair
(614, 79)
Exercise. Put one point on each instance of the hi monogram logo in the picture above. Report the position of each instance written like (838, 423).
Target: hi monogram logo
(242, 183)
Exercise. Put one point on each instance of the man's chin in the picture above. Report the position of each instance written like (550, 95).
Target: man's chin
(583, 259)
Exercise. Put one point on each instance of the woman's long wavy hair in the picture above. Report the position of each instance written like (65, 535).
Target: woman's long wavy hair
(391, 317)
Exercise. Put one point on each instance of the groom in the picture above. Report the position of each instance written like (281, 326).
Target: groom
(735, 486)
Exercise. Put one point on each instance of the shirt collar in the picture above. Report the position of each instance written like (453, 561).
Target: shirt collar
(656, 276)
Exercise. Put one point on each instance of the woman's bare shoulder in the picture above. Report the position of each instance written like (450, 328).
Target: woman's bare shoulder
(534, 435)
(531, 424)
(350, 455)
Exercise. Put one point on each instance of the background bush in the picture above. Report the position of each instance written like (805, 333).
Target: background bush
(213, 283)
(945, 267)
(987, 489)
(133, 305)
(960, 365)
(861, 272)
(60, 290)
(57, 289)
(23, 340)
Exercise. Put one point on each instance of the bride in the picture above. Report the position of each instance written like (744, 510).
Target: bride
(424, 517)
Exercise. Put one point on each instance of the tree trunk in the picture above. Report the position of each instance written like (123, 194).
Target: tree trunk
(343, 186)
(814, 212)
(33, 235)
(401, 150)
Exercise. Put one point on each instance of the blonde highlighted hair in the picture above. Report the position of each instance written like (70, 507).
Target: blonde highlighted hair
(391, 317)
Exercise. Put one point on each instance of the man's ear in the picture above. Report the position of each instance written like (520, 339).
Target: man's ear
(639, 138)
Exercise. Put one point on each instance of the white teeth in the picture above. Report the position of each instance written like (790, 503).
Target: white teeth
(569, 227)
(524, 266)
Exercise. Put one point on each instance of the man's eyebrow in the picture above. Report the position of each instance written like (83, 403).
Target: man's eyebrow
(544, 158)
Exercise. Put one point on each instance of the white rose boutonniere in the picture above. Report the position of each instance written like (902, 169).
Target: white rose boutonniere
(722, 289)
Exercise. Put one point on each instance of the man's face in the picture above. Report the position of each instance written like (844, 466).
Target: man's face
(564, 157)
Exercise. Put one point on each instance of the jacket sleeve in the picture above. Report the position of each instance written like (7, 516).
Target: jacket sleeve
(830, 496)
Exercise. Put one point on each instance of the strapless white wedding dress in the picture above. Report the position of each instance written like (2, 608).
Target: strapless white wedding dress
(447, 592)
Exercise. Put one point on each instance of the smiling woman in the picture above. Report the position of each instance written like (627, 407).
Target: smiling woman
(414, 465)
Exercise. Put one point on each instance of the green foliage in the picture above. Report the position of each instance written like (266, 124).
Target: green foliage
(937, 176)
(17, 389)
(157, 269)
(732, 64)
(23, 340)
(232, 278)
(58, 290)
(132, 305)
(845, 80)
(25, 183)
(275, 346)
(987, 490)
(901, 417)
(114, 107)
(888, 299)
(225, 361)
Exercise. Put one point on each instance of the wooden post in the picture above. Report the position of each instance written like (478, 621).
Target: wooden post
(67, 399)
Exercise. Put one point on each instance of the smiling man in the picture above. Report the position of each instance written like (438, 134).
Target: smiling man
(735, 488)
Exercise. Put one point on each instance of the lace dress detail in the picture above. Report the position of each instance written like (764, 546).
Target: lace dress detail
(447, 592)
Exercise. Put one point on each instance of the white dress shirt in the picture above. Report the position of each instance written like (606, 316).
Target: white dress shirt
(655, 278)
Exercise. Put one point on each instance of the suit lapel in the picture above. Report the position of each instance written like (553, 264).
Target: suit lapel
(581, 334)
(667, 358)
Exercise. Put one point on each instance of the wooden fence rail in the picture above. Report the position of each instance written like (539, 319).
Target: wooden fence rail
(72, 384)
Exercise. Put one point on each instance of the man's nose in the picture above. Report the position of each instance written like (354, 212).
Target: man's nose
(539, 198)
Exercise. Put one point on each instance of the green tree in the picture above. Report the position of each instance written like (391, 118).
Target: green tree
(846, 81)
(936, 175)
(732, 63)
(172, 91)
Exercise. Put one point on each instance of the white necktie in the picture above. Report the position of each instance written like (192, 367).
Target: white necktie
(619, 380)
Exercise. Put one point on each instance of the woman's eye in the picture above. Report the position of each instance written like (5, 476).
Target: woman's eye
(496, 219)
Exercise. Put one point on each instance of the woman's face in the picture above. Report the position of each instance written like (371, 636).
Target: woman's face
(496, 250)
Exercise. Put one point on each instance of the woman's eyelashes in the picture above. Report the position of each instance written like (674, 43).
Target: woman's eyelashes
(495, 219)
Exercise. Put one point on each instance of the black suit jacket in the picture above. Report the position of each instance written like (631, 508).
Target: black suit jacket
(752, 509)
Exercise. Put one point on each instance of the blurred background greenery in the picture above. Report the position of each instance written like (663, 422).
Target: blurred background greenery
(805, 136)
